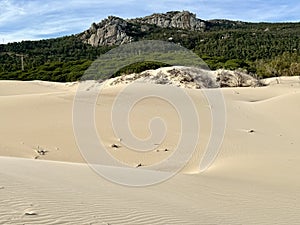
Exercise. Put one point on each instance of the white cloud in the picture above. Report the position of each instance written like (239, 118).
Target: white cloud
(251, 10)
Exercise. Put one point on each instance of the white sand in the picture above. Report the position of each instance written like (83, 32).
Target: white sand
(254, 180)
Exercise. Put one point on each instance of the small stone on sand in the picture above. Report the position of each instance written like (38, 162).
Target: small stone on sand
(30, 213)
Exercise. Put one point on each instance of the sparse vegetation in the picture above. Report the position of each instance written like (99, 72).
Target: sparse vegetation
(236, 78)
(140, 67)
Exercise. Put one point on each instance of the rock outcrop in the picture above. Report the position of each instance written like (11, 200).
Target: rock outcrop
(174, 19)
(117, 31)
(111, 31)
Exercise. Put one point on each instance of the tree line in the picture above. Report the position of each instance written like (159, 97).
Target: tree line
(264, 49)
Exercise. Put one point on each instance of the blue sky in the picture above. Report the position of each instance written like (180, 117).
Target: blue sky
(40, 19)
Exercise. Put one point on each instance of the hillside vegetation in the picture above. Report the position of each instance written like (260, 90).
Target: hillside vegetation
(263, 49)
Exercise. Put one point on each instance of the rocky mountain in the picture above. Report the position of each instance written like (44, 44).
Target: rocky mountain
(117, 31)
(263, 49)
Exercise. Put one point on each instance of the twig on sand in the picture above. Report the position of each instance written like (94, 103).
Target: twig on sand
(42, 152)
(115, 146)
(139, 165)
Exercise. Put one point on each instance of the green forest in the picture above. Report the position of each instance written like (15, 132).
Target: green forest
(263, 49)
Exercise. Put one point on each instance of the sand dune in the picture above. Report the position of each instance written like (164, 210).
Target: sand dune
(39, 118)
(254, 179)
(66, 193)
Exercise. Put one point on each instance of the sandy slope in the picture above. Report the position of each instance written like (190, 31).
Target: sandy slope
(64, 193)
(37, 114)
(254, 180)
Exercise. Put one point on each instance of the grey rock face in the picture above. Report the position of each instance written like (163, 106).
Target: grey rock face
(111, 31)
(180, 20)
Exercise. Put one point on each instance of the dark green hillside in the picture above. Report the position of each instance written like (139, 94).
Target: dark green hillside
(60, 59)
(267, 49)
